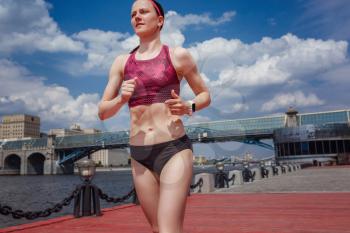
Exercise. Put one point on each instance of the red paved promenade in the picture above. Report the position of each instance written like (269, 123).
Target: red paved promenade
(321, 212)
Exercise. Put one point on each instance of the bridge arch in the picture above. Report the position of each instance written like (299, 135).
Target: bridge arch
(35, 164)
(12, 162)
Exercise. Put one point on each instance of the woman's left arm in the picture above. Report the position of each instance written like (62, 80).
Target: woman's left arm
(186, 67)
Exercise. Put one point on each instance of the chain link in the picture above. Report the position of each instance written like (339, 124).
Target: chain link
(105, 197)
(199, 183)
(232, 178)
(17, 214)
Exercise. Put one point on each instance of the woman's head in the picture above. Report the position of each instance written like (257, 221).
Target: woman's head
(147, 16)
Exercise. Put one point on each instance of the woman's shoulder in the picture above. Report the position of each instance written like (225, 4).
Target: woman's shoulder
(122, 57)
(179, 52)
(120, 62)
(181, 56)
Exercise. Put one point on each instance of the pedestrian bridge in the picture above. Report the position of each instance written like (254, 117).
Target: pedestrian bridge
(68, 149)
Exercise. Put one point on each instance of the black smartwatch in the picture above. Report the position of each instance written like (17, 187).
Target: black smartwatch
(193, 106)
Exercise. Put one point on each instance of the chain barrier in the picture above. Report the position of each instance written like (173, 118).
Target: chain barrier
(105, 197)
(232, 178)
(199, 183)
(30, 215)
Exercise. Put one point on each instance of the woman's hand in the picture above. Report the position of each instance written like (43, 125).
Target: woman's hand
(127, 89)
(176, 105)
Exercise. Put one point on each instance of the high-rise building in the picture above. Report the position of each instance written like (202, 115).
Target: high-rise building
(20, 126)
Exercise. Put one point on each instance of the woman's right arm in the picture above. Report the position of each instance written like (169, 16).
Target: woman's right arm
(111, 102)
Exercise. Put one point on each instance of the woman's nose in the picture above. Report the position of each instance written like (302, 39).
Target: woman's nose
(137, 17)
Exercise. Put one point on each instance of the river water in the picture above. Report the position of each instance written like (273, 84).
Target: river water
(34, 193)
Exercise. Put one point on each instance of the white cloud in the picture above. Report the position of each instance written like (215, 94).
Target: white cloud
(23, 92)
(102, 47)
(296, 99)
(27, 26)
(178, 21)
(270, 61)
(236, 71)
(235, 108)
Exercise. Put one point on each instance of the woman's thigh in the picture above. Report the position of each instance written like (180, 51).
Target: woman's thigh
(147, 189)
(175, 180)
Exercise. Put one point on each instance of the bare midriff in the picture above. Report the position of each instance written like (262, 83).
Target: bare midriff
(153, 124)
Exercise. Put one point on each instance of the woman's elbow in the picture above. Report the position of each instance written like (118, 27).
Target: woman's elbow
(100, 113)
(101, 116)
(209, 99)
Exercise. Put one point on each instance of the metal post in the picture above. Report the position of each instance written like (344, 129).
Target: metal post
(87, 200)
(77, 205)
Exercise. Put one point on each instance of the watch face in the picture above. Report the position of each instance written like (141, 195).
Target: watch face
(193, 107)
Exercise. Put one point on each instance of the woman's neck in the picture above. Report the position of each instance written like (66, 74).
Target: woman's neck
(149, 45)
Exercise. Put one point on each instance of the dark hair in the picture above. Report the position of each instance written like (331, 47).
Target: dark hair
(160, 8)
(161, 11)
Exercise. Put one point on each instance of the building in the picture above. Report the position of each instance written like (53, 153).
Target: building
(303, 142)
(20, 126)
(111, 157)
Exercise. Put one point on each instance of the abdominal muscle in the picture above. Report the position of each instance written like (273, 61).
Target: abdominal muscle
(152, 124)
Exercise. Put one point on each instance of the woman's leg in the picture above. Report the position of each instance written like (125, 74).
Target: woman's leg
(147, 189)
(175, 181)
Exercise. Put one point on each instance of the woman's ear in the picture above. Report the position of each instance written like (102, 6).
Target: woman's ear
(161, 21)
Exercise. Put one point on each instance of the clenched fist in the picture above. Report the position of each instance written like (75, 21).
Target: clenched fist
(128, 88)
(176, 105)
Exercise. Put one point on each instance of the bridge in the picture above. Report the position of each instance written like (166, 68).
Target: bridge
(53, 155)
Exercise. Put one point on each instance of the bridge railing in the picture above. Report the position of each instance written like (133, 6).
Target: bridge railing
(99, 139)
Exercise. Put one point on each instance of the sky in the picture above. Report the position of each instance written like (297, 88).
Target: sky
(257, 57)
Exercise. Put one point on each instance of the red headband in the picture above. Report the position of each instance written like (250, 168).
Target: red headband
(155, 6)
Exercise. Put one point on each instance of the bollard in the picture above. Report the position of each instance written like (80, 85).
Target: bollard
(248, 175)
(221, 179)
(88, 194)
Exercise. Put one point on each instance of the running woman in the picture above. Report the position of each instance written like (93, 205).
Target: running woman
(148, 80)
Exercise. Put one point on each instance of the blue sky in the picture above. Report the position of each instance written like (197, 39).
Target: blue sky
(257, 57)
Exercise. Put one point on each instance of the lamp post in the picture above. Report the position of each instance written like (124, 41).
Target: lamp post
(220, 166)
(88, 191)
(86, 169)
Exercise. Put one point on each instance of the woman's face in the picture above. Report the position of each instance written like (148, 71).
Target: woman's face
(144, 18)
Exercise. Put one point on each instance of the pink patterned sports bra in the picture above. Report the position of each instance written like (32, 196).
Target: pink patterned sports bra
(156, 77)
